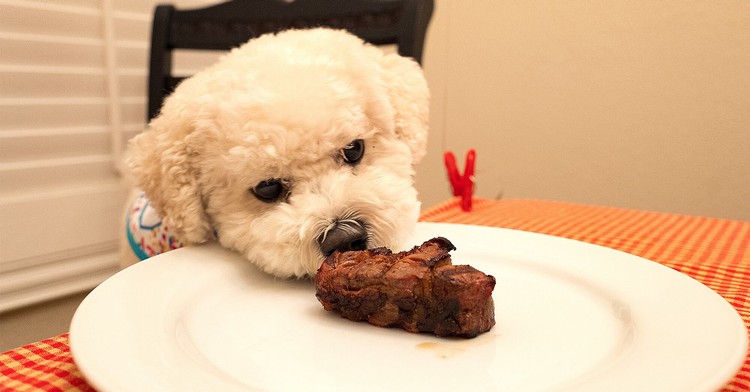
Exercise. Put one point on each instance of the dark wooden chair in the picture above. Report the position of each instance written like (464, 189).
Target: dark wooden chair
(230, 24)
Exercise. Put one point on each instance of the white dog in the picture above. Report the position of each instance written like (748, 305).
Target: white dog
(292, 146)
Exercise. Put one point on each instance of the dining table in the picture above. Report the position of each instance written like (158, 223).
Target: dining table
(713, 251)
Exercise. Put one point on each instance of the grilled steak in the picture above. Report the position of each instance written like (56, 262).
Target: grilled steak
(418, 290)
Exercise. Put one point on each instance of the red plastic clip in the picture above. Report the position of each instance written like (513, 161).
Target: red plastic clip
(462, 185)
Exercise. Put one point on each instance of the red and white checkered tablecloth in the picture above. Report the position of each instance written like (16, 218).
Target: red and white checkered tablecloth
(715, 252)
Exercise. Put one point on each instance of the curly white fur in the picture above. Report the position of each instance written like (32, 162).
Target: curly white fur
(283, 106)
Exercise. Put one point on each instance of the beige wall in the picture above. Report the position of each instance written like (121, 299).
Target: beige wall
(640, 104)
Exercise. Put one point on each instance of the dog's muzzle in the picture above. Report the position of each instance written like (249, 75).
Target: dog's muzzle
(342, 236)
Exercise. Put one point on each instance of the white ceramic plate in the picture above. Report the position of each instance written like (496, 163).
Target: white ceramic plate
(570, 316)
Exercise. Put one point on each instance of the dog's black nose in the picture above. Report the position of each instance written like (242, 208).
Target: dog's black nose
(342, 236)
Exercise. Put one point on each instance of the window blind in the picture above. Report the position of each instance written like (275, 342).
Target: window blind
(72, 91)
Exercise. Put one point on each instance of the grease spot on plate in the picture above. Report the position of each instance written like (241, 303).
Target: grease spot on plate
(441, 350)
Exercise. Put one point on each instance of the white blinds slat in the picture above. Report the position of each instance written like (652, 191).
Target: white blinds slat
(134, 112)
(26, 50)
(50, 19)
(42, 175)
(132, 58)
(56, 83)
(50, 115)
(133, 85)
(53, 143)
(132, 27)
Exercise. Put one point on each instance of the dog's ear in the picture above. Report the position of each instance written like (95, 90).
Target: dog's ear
(410, 98)
(159, 163)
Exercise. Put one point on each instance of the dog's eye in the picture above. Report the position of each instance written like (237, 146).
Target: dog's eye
(270, 190)
(353, 151)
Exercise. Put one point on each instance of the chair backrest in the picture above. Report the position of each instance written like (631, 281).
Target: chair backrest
(230, 24)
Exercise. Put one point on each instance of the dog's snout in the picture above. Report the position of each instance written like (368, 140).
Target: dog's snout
(342, 236)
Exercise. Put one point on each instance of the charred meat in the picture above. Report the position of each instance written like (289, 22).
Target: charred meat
(418, 290)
